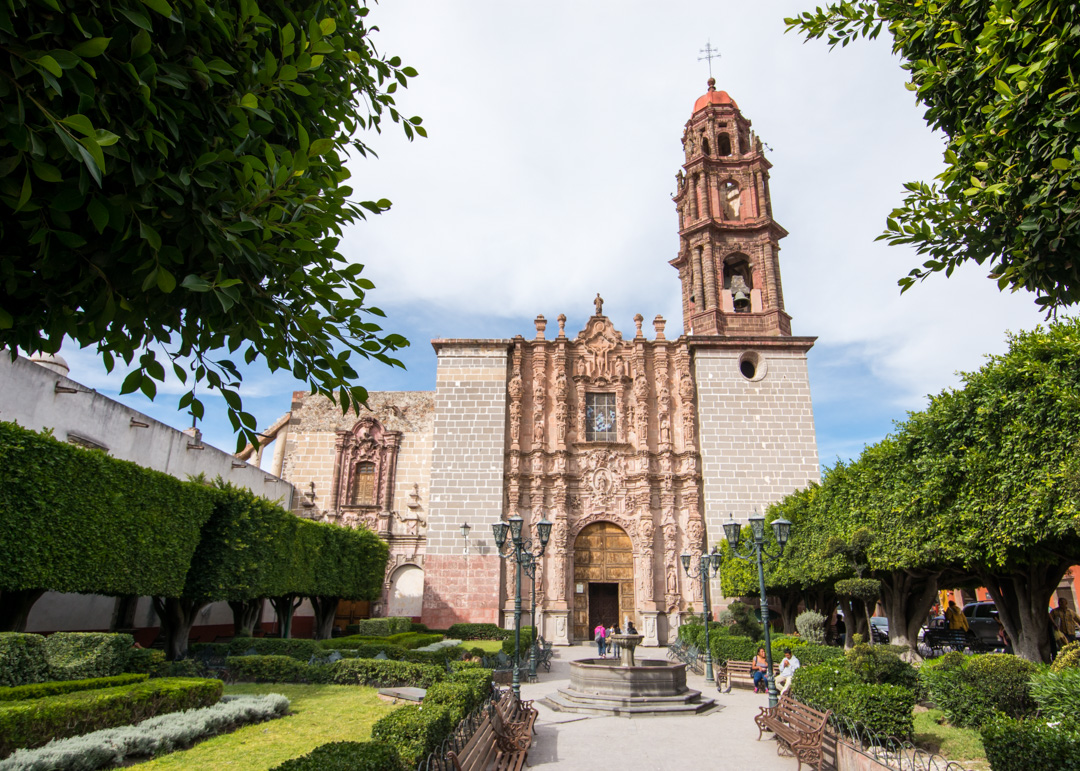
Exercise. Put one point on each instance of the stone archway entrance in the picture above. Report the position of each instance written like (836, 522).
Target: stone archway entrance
(603, 578)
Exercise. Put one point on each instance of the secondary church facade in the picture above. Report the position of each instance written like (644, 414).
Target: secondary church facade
(637, 446)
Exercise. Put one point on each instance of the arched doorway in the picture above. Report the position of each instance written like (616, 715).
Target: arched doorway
(603, 578)
(406, 595)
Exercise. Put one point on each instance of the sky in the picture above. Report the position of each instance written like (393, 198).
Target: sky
(554, 139)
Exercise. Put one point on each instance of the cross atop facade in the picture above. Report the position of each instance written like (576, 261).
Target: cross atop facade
(710, 54)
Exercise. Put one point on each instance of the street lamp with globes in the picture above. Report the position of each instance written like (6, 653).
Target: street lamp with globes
(707, 568)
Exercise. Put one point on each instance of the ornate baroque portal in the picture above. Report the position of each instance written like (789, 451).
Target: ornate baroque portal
(602, 430)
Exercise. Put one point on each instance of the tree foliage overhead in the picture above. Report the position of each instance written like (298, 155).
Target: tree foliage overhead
(173, 179)
(998, 77)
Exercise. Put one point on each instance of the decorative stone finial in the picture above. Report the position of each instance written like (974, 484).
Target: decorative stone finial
(562, 325)
(541, 325)
(638, 318)
(659, 324)
(712, 84)
(599, 303)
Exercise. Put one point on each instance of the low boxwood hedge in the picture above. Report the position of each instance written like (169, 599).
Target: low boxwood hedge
(22, 659)
(1021, 745)
(478, 632)
(526, 640)
(405, 640)
(347, 756)
(85, 655)
(385, 674)
(414, 730)
(380, 627)
(34, 722)
(276, 669)
(970, 690)
(885, 709)
(55, 688)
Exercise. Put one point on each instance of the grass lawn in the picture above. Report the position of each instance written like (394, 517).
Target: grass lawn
(321, 714)
(960, 744)
(488, 646)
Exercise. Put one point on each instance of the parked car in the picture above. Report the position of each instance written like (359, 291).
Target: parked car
(982, 618)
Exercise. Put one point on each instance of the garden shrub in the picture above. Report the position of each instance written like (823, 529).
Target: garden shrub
(22, 659)
(733, 648)
(276, 669)
(694, 633)
(149, 661)
(881, 664)
(746, 623)
(414, 730)
(458, 697)
(1021, 745)
(385, 674)
(811, 626)
(34, 722)
(885, 709)
(1058, 696)
(478, 632)
(476, 676)
(970, 689)
(380, 627)
(441, 656)
(347, 756)
(362, 650)
(164, 733)
(526, 640)
(812, 653)
(83, 655)
(39, 690)
(406, 640)
(302, 650)
(416, 626)
(1068, 657)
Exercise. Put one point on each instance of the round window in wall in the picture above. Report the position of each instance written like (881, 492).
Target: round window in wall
(752, 366)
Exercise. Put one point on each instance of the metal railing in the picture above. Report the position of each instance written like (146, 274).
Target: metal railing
(439, 760)
(889, 751)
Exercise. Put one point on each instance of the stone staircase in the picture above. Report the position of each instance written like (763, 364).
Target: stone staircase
(570, 700)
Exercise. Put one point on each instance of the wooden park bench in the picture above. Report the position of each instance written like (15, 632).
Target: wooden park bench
(939, 641)
(798, 727)
(741, 673)
(501, 740)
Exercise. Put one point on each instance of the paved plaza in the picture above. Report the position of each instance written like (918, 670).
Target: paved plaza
(723, 738)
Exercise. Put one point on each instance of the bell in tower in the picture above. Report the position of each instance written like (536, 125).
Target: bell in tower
(729, 249)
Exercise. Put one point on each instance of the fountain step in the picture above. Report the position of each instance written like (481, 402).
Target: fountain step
(689, 703)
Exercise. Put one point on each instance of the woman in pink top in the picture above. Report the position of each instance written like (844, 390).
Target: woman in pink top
(599, 633)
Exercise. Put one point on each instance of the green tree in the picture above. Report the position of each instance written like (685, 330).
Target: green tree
(998, 79)
(174, 179)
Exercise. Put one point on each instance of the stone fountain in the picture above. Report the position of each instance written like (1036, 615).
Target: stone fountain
(628, 688)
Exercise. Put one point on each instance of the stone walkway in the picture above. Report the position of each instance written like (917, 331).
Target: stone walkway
(724, 738)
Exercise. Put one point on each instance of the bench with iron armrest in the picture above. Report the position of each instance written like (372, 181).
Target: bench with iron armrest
(687, 654)
(940, 640)
(799, 727)
(741, 673)
(490, 745)
(518, 714)
(676, 650)
(544, 653)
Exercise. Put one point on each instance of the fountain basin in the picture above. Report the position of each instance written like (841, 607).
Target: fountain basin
(648, 677)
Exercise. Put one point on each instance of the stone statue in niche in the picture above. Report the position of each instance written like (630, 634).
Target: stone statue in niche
(686, 388)
(665, 429)
(515, 388)
(562, 388)
(695, 534)
(560, 421)
(538, 428)
(515, 421)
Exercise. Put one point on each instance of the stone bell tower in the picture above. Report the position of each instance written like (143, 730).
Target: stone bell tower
(728, 241)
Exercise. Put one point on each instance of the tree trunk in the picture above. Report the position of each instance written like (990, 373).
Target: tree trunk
(325, 611)
(284, 608)
(789, 609)
(246, 614)
(854, 620)
(907, 598)
(15, 605)
(1022, 598)
(177, 616)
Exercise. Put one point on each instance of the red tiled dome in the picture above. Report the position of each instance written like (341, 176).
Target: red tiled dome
(712, 96)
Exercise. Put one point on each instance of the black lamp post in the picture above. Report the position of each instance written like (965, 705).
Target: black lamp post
(707, 569)
(530, 570)
(756, 551)
(520, 550)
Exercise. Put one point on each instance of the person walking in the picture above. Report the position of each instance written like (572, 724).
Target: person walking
(611, 632)
(955, 618)
(599, 634)
(1065, 619)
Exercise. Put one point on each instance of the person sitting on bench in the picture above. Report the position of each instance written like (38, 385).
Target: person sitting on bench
(760, 671)
(787, 669)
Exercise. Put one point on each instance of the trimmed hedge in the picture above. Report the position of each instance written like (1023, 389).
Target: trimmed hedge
(414, 730)
(1021, 745)
(35, 722)
(347, 756)
(276, 669)
(886, 709)
(380, 627)
(526, 640)
(406, 640)
(40, 690)
(478, 632)
(84, 655)
(971, 689)
(22, 659)
(148, 661)
(76, 520)
(462, 691)
(882, 664)
(385, 674)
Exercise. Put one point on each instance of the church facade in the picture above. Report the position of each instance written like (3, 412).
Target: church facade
(636, 446)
